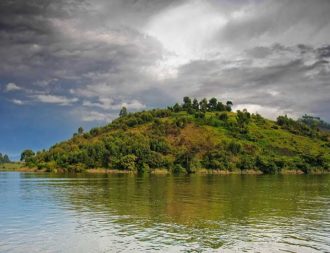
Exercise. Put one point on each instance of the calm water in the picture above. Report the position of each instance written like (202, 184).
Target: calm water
(125, 213)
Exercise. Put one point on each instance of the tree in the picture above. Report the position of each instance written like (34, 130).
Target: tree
(229, 104)
(220, 107)
(127, 162)
(80, 130)
(243, 118)
(195, 104)
(186, 103)
(6, 159)
(176, 107)
(123, 112)
(203, 105)
(314, 122)
(26, 155)
(212, 104)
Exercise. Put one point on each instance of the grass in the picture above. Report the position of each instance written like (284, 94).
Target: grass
(11, 166)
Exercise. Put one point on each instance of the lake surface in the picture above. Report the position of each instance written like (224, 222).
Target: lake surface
(162, 213)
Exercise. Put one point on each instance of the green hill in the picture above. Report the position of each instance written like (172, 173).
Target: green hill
(193, 137)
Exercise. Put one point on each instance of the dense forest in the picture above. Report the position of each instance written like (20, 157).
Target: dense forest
(4, 158)
(195, 136)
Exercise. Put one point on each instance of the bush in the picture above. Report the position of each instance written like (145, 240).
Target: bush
(234, 147)
(178, 169)
(246, 162)
(223, 117)
(267, 167)
(215, 160)
(127, 162)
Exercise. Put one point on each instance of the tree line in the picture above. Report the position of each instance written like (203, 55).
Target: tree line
(4, 158)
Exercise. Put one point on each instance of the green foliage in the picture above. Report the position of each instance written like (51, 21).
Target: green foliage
(187, 103)
(195, 104)
(266, 166)
(247, 162)
(177, 108)
(80, 130)
(234, 147)
(123, 112)
(229, 105)
(200, 115)
(127, 162)
(212, 105)
(243, 118)
(314, 122)
(4, 159)
(296, 127)
(216, 160)
(223, 117)
(28, 156)
(203, 105)
(184, 138)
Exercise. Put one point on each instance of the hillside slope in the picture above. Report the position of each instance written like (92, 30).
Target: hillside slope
(192, 137)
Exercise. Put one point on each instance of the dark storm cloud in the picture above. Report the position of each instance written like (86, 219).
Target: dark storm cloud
(46, 49)
(286, 21)
(92, 57)
(295, 86)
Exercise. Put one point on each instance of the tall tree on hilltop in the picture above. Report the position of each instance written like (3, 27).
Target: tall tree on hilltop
(203, 105)
(212, 104)
(123, 112)
(195, 104)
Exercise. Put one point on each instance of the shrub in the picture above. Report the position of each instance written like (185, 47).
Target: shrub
(234, 147)
(267, 167)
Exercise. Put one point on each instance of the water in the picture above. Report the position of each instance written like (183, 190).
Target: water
(197, 213)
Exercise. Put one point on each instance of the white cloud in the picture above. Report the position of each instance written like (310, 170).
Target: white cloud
(185, 29)
(51, 99)
(186, 32)
(17, 101)
(265, 111)
(12, 87)
(109, 104)
(96, 116)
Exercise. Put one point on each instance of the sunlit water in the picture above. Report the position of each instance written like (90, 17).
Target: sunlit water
(126, 213)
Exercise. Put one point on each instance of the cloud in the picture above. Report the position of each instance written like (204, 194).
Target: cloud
(89, 116)
(291, 80)
(17, 101)
(101, 55)
(109, 104)
(286, 22)
(12, 87)
(51, 99)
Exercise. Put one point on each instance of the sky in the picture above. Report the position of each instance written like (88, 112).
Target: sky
(71, 63)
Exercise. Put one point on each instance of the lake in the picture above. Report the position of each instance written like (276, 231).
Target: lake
(164, 213)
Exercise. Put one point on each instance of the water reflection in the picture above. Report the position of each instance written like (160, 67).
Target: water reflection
(122, 213)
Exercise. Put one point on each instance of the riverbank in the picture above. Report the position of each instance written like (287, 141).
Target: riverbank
(210, 172)
(165, 171)
(12, 166)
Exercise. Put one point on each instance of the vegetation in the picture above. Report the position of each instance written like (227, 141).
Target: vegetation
(10, 166)
(314, 122)
(194, 136)
(4, 159)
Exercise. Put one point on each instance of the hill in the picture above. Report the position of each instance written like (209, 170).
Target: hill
(193, 137)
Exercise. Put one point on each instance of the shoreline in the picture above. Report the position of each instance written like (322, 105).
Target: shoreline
(167, 172)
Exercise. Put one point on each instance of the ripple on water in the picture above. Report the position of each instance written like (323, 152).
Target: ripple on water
(125, 213)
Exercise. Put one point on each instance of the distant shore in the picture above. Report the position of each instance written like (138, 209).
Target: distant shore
(164, 171)
(203, 172)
